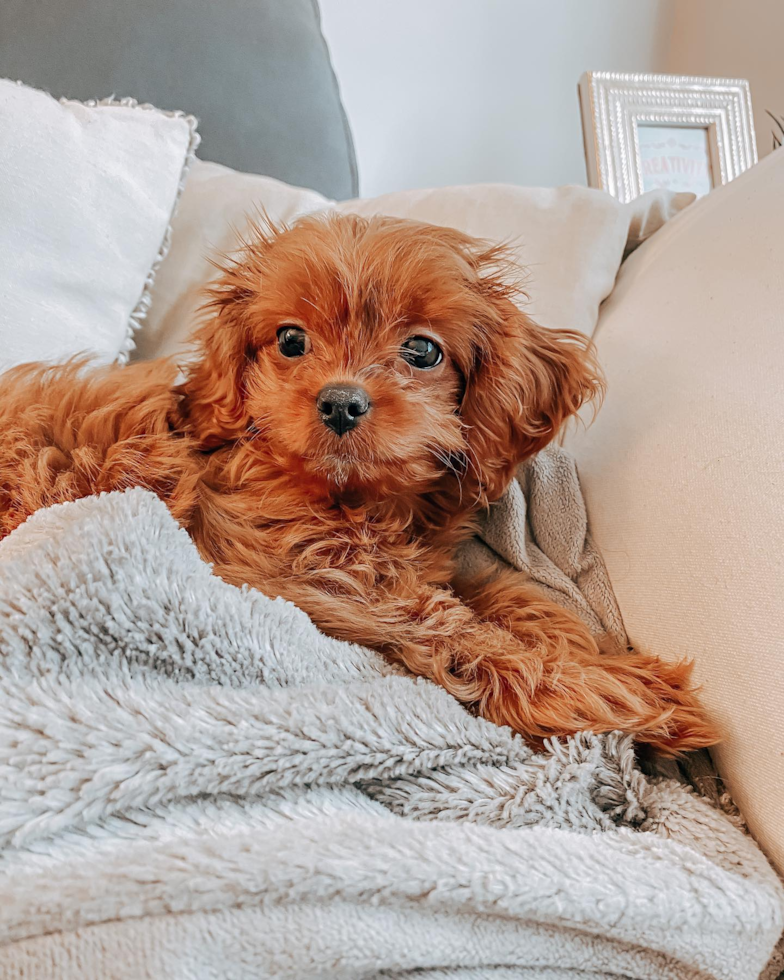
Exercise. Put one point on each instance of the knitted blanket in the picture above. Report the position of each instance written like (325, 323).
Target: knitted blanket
(195, 783)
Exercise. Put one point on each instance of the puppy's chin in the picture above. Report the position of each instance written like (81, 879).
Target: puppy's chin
(343, 470)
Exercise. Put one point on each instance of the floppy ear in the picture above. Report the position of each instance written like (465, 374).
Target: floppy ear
(214, 391)
(214, 402)
(525, 383)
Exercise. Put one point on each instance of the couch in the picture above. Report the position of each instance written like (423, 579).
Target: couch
(683, 470)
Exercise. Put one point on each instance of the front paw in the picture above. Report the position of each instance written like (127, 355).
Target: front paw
(540, 695)
(676, 721)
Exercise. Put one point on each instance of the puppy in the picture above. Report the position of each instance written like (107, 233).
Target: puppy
(361, 391)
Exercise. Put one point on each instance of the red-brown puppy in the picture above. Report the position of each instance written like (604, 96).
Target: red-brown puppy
(362, 389)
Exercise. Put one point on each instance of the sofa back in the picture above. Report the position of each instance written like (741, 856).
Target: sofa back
(256, 73)
(683, 470)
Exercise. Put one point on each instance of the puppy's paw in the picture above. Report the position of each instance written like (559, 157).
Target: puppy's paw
(684, 725)
(635, 693)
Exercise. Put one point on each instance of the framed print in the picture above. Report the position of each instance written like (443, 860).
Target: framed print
(677, 132)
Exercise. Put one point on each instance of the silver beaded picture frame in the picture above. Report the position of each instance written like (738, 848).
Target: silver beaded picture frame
(680, 132)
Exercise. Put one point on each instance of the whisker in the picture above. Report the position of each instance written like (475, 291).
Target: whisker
(370, 367)
(447, 463)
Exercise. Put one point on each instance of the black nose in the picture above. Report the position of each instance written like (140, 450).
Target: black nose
(342, 406)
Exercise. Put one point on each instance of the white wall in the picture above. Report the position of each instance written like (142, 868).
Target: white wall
(739, 40)
(458, 91)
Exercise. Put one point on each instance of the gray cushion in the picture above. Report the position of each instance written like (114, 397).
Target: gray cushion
(256, 72)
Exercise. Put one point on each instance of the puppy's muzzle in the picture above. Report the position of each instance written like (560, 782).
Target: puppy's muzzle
(341, 407)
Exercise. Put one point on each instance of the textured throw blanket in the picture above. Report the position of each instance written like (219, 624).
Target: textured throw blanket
(195, 783)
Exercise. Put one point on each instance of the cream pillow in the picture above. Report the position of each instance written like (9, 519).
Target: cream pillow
(87, 193)
(684, 468)
(570, 239)
(211, 216)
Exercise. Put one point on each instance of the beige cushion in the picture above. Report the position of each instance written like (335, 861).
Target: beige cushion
(570, 239)
(684, 468)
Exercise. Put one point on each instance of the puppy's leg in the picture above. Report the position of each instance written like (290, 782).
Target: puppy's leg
(514, 658)
(558, 681)
(68, 431)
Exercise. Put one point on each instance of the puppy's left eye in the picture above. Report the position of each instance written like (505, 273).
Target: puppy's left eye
(421, 352)
(293, 341)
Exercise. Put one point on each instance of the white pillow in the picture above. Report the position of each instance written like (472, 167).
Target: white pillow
(87, 193)
(683, 469)
(570, 239)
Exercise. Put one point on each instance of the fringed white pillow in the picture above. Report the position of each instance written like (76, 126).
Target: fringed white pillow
(87, 193)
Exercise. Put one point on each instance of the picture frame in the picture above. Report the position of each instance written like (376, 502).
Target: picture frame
(679, 132)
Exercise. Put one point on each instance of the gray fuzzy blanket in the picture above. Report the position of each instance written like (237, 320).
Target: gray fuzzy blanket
(195, 783)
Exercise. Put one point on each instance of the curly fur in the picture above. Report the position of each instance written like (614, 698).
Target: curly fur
(359, 531)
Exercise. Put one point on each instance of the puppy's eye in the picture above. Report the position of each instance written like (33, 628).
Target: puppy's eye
(293, 341)
(421, 352)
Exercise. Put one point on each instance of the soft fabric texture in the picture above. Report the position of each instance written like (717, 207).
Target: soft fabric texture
(540, 527)
(568, 240)
(196, 783)
(86, 198)
(684, 468)
(256, 73)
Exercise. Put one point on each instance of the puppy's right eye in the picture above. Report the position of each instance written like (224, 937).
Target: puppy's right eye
(293, 341)
(421, 352)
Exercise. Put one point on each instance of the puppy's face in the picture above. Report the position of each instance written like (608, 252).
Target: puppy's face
(381, 356)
